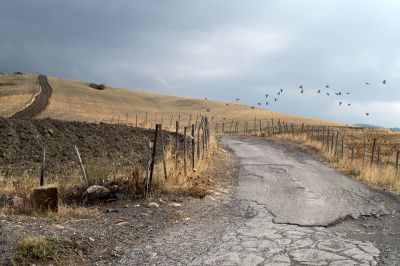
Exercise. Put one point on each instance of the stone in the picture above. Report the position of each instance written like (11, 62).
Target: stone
(153, 205)
(18, 202)
(44, 199)
(98, 193)
(174, 204)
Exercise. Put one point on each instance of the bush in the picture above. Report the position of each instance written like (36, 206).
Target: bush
(97, 86)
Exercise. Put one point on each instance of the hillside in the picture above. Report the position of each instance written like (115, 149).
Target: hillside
(76, 100)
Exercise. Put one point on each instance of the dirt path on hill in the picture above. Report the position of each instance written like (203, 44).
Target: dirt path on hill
(39, 103)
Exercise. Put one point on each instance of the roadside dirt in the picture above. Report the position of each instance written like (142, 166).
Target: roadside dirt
(124, 225)
(40, 102)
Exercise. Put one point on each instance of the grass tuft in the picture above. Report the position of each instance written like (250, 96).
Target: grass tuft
(34, 249)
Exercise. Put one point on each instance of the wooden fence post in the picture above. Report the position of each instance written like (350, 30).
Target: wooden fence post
(364, 148)
(83, 172)
(193, 147)
(292, 129)
(190, 119)
(223, 128)
(302, 127)
(198, 139)
(342, 146)
(184, 150)
(153, 156)
(397, 160)
(332, 141)
(42, 168)
(163, 153)
(336, 144)
(170, 121)
(176, 145)
(352, 152)
(236, 127)
(230, 129)
(260, 127)
(145, 121)
(373, 151)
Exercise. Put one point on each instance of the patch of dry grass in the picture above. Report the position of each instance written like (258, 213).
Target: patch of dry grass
(16, 92)
(36, 249)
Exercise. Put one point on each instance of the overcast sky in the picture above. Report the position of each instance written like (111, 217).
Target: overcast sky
(220, 49)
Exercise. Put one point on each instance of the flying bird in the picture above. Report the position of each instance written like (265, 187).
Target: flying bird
(237, 99)
(367, 114)
(281, 90)
(276, 99)
(348, 104)
(327, 86)
(266, 95)
(301, 91)
(347, 93)
(259, 103)
(279, 93)
(327, 93)
(340, 103)
(266, 103)
(366, 83)
(318, 91)
(301, 86)
(384, 81)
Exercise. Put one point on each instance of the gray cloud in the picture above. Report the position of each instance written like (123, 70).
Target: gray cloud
(218, 49)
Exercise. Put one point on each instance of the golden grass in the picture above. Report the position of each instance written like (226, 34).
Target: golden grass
(381, 174)
(76, 100)
(16, 92)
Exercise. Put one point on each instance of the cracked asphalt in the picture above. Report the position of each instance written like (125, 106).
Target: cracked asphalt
(288, 208)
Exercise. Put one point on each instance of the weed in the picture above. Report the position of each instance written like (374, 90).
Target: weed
(34, 249)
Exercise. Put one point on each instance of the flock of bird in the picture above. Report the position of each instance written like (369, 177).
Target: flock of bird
(301, 88)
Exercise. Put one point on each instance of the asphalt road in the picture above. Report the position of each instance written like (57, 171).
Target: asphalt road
(297, 188)
(288, 208)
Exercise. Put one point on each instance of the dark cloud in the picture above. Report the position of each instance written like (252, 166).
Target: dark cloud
(217, 49)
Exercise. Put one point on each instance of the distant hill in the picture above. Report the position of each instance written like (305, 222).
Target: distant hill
(366, 125)
(395, 129)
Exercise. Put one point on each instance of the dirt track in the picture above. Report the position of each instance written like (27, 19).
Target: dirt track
(40, 102)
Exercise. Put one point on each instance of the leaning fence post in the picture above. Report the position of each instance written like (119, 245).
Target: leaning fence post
(163, 153)
(81, 167)
(153, 156)
(373, 151)
(193, 147)
(42, 168)
(176, 145)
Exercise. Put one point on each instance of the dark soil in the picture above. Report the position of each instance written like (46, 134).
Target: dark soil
(22, 143)
(39, 104)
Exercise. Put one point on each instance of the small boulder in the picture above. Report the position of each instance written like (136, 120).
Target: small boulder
(97, 193)
(153, 205)
(18, 202)
(44, 199)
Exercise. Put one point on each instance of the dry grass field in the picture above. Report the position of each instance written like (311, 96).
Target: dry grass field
(76, 100)
(16, 91)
